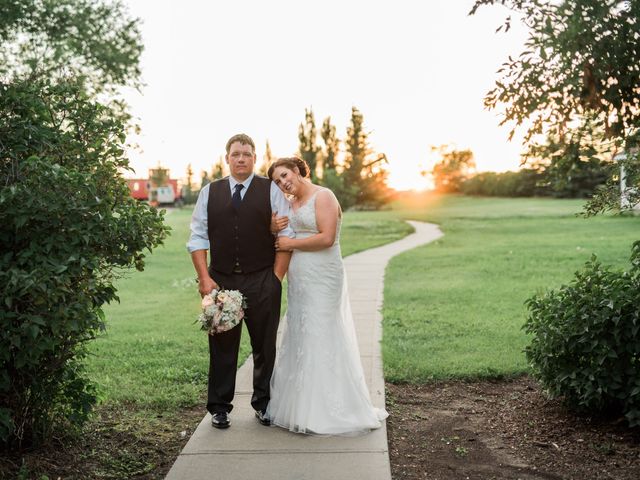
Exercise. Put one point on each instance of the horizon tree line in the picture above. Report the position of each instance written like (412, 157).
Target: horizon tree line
(357, 178)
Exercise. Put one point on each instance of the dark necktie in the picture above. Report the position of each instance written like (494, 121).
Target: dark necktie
(236, 199)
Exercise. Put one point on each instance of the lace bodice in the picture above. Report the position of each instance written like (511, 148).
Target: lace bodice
(303, 221)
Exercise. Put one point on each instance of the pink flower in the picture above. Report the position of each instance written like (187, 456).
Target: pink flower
(207, 301)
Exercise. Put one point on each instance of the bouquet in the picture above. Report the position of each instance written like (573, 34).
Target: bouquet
(221, 310)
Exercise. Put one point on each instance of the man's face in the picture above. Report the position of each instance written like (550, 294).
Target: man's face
(241, 160)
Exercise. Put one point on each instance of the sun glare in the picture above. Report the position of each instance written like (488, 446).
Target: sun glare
(403, 177)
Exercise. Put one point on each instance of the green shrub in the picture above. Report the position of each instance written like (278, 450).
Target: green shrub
(68, 227)
(523, 183)
(585, 342)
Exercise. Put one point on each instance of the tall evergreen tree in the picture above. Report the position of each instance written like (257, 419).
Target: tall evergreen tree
(267, 159)
(268, 155)
(331, 146)
(218, 170)
(357, 149)
(189, 177)
(204, 179)
(187, 190)
(362, 171)
(309, 148)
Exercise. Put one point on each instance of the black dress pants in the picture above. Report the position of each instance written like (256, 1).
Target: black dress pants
(262, 291)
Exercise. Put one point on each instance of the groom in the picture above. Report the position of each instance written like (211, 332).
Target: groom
(232, 218)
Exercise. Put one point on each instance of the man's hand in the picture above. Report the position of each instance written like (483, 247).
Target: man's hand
(205, 285)
(278, 223)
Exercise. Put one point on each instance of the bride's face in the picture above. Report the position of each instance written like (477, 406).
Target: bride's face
(287, 180)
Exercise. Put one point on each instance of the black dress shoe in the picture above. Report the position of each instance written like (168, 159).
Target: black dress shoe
(220, 420)
(261, 415)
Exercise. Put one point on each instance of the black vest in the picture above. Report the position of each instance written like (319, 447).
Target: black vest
(240, 238)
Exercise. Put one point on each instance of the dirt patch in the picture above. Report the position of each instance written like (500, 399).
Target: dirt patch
(116, 444)
(451, 430)
(501, 430)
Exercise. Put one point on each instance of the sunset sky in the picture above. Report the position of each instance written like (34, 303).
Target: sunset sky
(417, 70)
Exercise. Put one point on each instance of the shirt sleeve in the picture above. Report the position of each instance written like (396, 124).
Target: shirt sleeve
(199, 238)
(281, 206)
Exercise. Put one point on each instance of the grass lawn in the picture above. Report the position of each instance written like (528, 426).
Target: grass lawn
(455, 308)
(152, 356)
(452, 309)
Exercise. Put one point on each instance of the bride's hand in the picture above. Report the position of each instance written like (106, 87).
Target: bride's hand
(284, 244)
(278, 223)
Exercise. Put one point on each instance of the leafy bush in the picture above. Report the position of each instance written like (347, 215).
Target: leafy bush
(576, 178)
(585, 342)
(561, 178)
(523, 183)
(68, 227)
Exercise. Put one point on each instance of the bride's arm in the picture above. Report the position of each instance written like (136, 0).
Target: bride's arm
(327, 214)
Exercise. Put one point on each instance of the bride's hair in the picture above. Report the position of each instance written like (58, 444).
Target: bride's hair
(291, 163)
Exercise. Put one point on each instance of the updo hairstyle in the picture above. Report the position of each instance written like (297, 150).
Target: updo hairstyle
(291, 163)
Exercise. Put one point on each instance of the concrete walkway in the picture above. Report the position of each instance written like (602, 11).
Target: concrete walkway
(249, 450)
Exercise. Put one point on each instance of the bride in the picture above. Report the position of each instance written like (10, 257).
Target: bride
(318, 385)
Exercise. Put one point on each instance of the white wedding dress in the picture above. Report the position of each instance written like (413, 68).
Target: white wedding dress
(318, 385)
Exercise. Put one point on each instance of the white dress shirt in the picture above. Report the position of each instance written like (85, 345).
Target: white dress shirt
(199, 238)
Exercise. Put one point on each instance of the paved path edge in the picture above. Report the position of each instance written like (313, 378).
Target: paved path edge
(249, 450)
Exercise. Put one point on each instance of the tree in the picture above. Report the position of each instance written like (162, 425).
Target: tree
(331, 146)
(267, 160)
(453, 168)
(357, 148)
(68, 225)
(189, 184)
(581, 61)
(331, 178)
(374, 191)
(188, 194)
(362, 171)
(93, 40)
(575, 164)
(308, 148)
(159, 176)
(218, 169)
(204, 179)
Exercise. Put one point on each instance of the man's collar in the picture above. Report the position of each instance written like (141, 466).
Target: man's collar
(233, 182)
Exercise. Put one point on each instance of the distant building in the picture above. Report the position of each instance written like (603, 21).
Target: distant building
(166, 194)
(139, 188)
(625, 190)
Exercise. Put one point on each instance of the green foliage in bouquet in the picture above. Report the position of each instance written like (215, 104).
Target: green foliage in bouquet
(585, 343)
